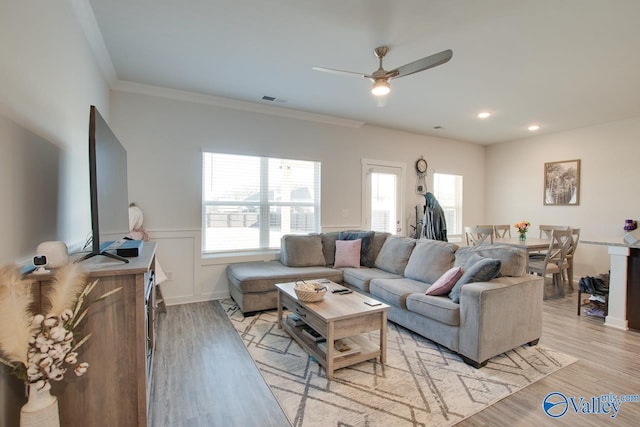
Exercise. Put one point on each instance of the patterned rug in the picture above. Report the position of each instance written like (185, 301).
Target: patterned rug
(422, 383)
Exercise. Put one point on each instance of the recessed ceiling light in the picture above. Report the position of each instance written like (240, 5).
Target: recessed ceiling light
(534, 128)
(484, 114)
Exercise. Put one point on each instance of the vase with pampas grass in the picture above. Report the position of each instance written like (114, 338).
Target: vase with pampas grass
(40, 348)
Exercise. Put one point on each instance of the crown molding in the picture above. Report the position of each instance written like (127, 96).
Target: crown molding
(86, 18)
(234, 104)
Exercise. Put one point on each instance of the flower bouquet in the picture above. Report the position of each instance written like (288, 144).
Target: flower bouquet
(41, 348)
(522, 227)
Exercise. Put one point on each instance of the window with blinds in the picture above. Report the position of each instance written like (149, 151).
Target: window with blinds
(448, 190)
(249, 202)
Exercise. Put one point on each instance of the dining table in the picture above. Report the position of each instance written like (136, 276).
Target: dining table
(530, 244)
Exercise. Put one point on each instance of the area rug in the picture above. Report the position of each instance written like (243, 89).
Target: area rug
(422, 383)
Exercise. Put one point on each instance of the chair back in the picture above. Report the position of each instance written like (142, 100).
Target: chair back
(575, 236)
(478, 235)
(545, 230)
(559, 246)
(487, 226)
(502, 230)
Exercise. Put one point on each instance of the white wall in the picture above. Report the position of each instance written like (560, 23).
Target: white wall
(164, 139)
(609, 179)
(49, 78)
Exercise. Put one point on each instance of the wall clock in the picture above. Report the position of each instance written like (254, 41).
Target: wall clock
(421, 166)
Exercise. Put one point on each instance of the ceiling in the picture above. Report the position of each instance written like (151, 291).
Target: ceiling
(561, 64)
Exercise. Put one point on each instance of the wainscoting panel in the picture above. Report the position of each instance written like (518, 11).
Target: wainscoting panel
(192, 278)
(177, 254)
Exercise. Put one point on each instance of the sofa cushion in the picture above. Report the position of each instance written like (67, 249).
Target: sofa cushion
(394, 254)
(379, 238)
(329, 246)
(347, 253)
(445, 283)
(476, 269)
(301, 250)
(361, 277)
(437, 308)
(513, 261)
(259, 276)
(429, 260)
(395, 291)
(366, 251)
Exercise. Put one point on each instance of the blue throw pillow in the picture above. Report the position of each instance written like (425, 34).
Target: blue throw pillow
(366, 250)
(476, 269)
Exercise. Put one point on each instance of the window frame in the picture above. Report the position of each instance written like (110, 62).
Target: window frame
(383, 166)
(263, 204)
(457, 207)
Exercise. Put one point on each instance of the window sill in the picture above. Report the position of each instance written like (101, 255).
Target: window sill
(231, 257)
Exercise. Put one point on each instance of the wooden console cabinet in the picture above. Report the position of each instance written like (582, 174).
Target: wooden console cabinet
(115, 390)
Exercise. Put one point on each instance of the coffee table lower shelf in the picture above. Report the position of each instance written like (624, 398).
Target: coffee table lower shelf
(368, 350)
(336, 317)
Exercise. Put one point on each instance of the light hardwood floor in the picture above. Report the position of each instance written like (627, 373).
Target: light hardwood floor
(203, 376)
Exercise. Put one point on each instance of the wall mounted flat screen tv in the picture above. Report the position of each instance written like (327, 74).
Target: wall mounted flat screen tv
(108, 184)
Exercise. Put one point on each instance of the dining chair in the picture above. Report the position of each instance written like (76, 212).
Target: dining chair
(552, 263)
(568, 266)
(488, 226)
(502, 230)
(478, 235)
(545, 230)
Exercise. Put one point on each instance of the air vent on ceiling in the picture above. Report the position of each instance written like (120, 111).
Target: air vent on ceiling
(273, 99)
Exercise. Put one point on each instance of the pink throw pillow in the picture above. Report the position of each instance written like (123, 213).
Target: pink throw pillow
(348, 253)
(446, 282)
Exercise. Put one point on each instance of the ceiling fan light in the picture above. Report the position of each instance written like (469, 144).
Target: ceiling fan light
(380, 87)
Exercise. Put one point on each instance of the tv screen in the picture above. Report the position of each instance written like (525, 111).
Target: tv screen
(108, 182)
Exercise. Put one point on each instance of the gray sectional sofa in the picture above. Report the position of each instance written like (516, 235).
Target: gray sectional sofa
(478, 320)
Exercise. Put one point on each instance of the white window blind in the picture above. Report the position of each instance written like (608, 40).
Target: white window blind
(249, 202)
(448, 190)
(382, 199)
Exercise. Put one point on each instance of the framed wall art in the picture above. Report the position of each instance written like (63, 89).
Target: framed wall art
(562, 183)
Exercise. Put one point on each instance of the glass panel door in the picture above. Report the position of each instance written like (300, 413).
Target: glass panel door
(384, 202)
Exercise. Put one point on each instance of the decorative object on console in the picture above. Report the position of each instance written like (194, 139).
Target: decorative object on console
(523, 227)
(40, 261)
(38, 348)
(56, 252)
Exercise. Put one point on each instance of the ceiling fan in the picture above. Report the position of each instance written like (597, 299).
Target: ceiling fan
(381, 77)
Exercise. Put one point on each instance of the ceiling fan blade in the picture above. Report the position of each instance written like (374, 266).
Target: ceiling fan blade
(334, 71)
(422, 64)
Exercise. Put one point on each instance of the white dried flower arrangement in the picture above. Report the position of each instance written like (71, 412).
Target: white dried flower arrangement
(41, 348)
